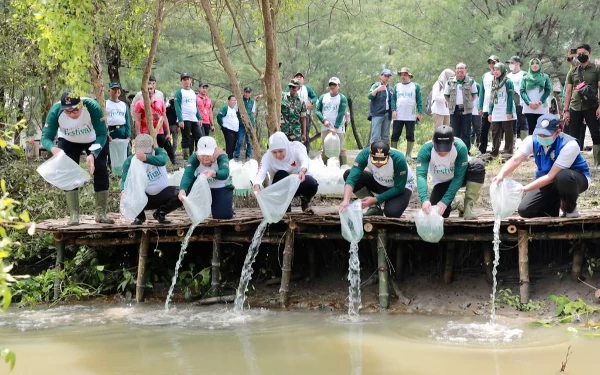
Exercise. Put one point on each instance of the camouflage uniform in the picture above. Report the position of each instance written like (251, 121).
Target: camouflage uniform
(292, 109)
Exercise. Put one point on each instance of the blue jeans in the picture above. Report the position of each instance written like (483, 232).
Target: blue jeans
(380, 129)
(461, 125)
(240, 142)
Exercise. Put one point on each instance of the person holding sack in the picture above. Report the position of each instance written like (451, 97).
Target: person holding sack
(212, 162)
(282, 159)
(80, 124)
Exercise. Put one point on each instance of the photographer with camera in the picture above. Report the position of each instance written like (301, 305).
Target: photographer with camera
(581, 99)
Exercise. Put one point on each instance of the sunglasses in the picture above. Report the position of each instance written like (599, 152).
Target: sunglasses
(379, 160)
(70, 111)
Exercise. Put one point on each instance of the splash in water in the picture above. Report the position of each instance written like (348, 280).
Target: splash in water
(354, 300)
(496, 243)
(182, 252)
(240, 297)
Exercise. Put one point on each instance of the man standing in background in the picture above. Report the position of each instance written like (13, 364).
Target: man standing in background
(407, 109)
(188, 116)
(250, 105)
(293, 114)
(331, 111)
(459, 93)
(484, 102)
(205, 106)
(308, 96)
(380, 109)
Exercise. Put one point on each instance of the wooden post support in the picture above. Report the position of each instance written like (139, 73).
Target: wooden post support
(400, 260)
(312, 260)
(524, 264)
(216, 261)
(488, 261)
(383, 268)
(286, 269)
(449, 264)
(141, 276)
(578, 251)
(60, 259)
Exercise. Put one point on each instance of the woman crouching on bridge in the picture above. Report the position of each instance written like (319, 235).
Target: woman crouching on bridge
(282, 159)
(212, 162)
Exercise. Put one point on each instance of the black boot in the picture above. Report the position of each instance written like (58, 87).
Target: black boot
(304, 203)
(140, 219)
(160, 215)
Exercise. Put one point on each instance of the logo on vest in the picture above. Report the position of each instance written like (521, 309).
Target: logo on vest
(153, 175)
(77, 131)
(443, 169)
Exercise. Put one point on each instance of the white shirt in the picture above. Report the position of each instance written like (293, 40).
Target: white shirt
(303, 94)
(488, 79)
(158, 179)
(517, 79)
(406, 101)
(438, 105)
(79, 130)
(441, 169)
(188, 105)
(331, 109)
(499, 112)
(535, 95)
(213, 183)
(115, 113)
(297, 160)
(231, 121)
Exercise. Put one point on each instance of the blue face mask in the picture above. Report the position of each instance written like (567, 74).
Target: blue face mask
(546, 141)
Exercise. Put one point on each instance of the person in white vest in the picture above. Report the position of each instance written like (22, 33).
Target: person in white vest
(282, 159)
(502, 111)
(80, 124)
(383, 171)
(536, 88)
(161, 197)
(188, 116)
(118, 118)
(484, 102)
(515, 74)
(331, 110)
(212, 162)
(229, 121)
(407, 109)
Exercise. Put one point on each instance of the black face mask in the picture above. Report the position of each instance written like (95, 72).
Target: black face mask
(583, 58)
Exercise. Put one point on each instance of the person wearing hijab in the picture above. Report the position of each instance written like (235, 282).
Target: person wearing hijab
(535, 90)
(212, 162)
(502, 111)
(282, 159)
(161, 196)
(439, 108)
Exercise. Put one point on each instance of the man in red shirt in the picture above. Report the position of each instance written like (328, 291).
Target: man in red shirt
(159, 111)
(205, 106)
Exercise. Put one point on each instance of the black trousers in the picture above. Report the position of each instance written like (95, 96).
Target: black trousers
(162, 142)
(485, 130)
(73, 151)
(393, 207)
(398, 126)
(206, 129)
(546, 201)
(308, 188)
(231, 138)
(576, 127)
(475, 173)
(532, 121)
(521, 123)
(190, 135)
(166, 201)
(222, 202)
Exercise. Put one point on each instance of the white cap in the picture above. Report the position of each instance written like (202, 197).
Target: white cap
(206, 146)
(335, 80)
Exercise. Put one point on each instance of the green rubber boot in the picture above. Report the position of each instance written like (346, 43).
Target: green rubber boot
(523, 134)
(596, 152)
(343, 159)
(101, 204)
(409, 147)
(471, 195)
(374, 210)
(73, 205)
(185, 154)
(394, 145)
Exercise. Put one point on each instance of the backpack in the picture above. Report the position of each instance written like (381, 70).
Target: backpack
(430, 101)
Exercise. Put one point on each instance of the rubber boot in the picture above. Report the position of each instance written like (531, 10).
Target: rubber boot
(471, 195)
(394, 145)
(596, 152)
(523, 134)
(458, 203)
(186, 154)
(374, 210)
(324, 158)
(101, 204)
(343, 159)
(409, 147)
(73, 205)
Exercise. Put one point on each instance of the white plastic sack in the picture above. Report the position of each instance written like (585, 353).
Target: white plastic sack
(175, 177)
(275, 199)
(430, 227)
(241, 175)
(63, 172)
(134, 199)
(352, 222)
(198, 203)
(331, 146)
(118, 155)
(506, 197)
(330, 177)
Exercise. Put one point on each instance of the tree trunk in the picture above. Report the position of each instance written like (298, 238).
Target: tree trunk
(96, 74)
(47, 100)
(224, 57)
(271, 76)
(354, 131)
(113, 59)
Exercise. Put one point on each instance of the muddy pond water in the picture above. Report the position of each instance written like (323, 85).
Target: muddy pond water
(198, 340)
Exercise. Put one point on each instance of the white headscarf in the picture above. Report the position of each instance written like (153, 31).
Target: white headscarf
(279, 141)
(445, 76)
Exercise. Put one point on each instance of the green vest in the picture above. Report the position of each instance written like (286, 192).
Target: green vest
(466, 91)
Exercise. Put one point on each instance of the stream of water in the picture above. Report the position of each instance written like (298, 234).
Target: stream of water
(240, 296)
(354, 300)
(182, 253)
(496, 243)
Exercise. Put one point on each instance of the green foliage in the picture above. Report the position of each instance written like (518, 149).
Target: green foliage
(9, 357)
(194, 283)
(507, 297)
(569, 311)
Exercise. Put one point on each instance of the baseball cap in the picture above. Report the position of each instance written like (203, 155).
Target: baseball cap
(203, 84)
(143, 143)
(152, 79)
(380, 151)
(405, 70)
(68, 100)
(294, 83)
(335, 80)
(206, 146)
(514, 59)
(443, 139)
(247, 89)
(386, 72)
(493, 58)
(299, 74)
(114, 85)
(546, 124)
(185, 75)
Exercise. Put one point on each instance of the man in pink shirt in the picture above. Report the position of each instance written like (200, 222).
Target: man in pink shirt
(205, 106)
(158, 110)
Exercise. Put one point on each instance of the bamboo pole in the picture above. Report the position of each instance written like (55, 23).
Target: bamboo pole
(216, 260)
(449, 264)
(141, 276)
(488, 261)
(524, 265)
(383, 268)
(286, 269)
(578, 252)
(60, 259)
(400, 260)
(312, 261)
